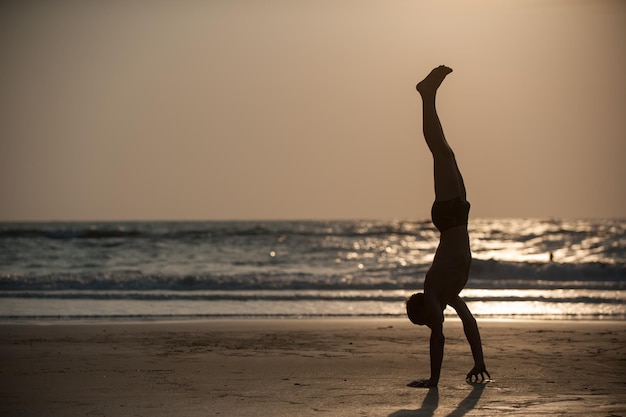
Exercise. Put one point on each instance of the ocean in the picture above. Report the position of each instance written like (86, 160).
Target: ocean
(522, 269)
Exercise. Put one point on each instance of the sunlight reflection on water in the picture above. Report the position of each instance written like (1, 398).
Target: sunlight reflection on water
(543, 304)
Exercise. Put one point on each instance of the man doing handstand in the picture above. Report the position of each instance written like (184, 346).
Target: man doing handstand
(449, 271)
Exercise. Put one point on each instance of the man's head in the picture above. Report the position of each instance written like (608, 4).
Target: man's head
(415, 309)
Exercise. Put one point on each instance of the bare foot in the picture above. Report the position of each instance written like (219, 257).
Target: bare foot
(431, 83)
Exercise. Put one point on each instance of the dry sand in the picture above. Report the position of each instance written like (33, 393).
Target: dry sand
(309, 367)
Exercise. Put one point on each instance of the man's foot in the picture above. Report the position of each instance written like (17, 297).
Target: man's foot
(431, 83)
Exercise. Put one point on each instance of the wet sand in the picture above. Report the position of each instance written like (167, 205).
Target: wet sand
(308, 367)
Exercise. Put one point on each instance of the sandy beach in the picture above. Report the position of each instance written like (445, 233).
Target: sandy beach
(308, 367)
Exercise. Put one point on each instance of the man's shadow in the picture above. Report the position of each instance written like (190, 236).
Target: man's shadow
(431, 402)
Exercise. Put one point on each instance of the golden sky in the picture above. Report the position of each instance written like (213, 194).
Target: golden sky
(292, 109)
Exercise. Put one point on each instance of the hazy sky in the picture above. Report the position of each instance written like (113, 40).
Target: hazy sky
(293, 109)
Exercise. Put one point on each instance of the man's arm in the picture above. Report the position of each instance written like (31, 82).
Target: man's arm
(434, 320)
(437, 340)
(473, 337)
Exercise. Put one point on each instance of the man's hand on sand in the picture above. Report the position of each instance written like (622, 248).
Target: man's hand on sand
(422, 383)
(477, 374)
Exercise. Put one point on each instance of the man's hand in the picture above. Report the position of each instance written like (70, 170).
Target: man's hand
(422, 383)
(476, 372)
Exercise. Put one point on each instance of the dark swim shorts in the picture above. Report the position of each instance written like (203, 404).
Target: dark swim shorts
(450, 213)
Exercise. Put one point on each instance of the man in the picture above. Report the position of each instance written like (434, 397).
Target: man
(449, 271)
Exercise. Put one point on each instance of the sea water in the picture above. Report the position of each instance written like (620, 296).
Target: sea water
(522, 268)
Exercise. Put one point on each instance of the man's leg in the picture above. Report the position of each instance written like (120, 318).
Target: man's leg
(448, 180)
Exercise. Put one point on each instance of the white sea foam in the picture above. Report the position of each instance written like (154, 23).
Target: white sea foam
(567, 268)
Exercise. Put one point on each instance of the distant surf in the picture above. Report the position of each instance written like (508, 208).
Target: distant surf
(521, 268)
